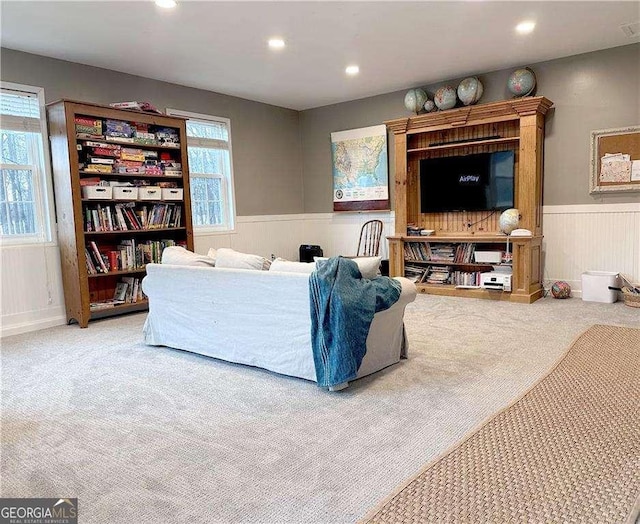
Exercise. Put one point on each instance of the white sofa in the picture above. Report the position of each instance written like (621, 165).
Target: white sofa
(258, 318)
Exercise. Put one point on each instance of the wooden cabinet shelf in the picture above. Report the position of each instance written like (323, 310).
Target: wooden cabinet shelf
(511, 125)
(458, 145)
(129, 144)
(119, 273)
(96, 263)
(129, 175)
(119, 309)
(135, 231)
(486, 266)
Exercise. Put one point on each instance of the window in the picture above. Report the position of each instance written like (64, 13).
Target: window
(24, 197)
(210, 171)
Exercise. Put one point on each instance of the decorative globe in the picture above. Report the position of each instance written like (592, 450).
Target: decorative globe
(509, 220)
(445, 98)
(522, 82)
(414, 100)
(470, 90)
(429, 106)
(561, 289)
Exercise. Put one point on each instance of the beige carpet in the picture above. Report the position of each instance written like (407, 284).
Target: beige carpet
(153, 435)
(566, 451)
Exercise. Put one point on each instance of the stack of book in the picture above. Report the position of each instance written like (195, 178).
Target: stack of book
(413, 273)
(443, 252)
(437, 275)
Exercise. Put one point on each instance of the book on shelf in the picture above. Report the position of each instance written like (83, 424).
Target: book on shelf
(91, 267)
(104, 304)
(436, 275)
(413, 273)
(98, 259)
(120, 293)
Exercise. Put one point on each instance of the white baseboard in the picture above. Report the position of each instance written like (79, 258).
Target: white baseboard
(8, 328)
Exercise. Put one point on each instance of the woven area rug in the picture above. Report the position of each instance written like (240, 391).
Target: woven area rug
(567, 451)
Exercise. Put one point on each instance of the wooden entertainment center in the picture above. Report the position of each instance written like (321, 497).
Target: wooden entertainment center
(510, 125)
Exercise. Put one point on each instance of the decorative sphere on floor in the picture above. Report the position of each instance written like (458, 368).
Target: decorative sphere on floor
(522, 82)
(414, 100)
(561, 289)
(445, 98)
(509, 220)
(470, 90)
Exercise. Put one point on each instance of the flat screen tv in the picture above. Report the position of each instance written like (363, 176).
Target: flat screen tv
(481, 182)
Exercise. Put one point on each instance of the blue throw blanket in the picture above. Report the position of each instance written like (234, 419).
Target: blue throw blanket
(342, 308)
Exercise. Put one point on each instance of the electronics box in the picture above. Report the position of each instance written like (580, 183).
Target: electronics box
(495, 280)
(488, 257)
(97, 192)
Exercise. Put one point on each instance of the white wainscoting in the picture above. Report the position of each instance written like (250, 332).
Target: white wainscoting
(599, 237)
(32, 293)
(282, 235)
(604, 237)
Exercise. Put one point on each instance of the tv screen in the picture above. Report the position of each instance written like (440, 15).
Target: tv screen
(481, 182)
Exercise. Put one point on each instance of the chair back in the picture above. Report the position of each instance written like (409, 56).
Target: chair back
(369, 243)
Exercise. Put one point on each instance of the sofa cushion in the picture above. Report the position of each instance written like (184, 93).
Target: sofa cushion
(229, 258)
(179, 256)
(280, 264)
(369, 266)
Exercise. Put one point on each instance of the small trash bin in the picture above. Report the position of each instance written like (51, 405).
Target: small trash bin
(308, 251)
(596, 286)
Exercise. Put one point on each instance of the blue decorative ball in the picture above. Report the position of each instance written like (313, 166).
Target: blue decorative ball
(522, 82)
(414, 100)
(561, 289)
(445, 98)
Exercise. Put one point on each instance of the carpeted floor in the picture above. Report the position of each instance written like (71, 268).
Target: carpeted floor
(142, 434)
(567, 451)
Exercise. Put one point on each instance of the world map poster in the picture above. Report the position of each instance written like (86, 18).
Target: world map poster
(360, 169)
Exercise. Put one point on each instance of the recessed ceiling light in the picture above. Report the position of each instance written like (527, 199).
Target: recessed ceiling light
(276, 43)
(352, 70)
(167, 4)
(525, 28)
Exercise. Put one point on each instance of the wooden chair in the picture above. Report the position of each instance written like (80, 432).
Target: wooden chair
(369, 243)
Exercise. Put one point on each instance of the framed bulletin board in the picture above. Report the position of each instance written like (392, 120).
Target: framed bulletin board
(615, 160)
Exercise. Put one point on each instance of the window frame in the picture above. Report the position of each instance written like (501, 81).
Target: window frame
(43, 180)
(227, 183)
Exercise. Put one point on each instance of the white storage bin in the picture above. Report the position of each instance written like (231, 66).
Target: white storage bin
(488, 257)
(171, 193)
(125, 193)
(97, 192)
(150, 193)
(595, 286)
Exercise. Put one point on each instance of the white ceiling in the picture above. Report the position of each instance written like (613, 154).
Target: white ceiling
(221, 46)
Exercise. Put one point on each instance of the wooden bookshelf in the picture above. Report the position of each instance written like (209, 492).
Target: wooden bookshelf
(511, 125)
(70, 153)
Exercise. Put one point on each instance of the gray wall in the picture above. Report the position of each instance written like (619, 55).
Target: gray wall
(266, 139)
(282, 158)
(598, 90)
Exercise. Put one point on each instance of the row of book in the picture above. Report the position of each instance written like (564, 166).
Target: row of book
(125, 256)
(127, 291)
(430, 252)
(127, 217)
(441, 275)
